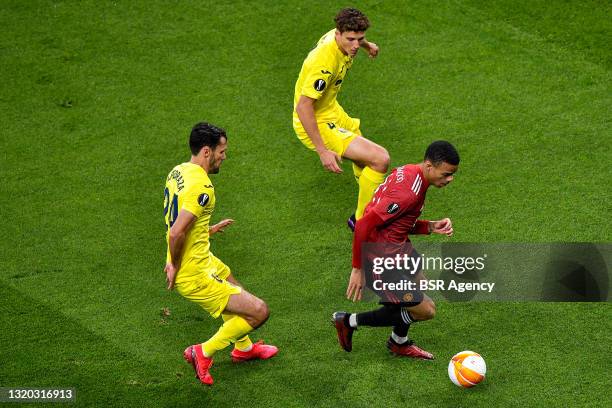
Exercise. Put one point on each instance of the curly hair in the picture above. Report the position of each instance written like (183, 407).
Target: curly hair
(350, 19)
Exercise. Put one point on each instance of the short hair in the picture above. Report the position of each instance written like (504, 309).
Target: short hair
(205, 134)
(351, 19)
(440, 152)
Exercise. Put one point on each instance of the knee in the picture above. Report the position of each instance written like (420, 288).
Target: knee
(426, 311)
(261, 312)
(380, 161)
(385, 158)
(430, 311)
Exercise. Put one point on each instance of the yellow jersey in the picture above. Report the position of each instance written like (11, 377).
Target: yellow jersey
(188, 187)
(321, 77)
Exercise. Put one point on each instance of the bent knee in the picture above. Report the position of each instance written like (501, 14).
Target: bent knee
(430, 311)
(261, 311)
(427, 311)
(385, 158)
(381, 159)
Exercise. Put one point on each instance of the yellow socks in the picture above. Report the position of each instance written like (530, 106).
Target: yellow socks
(357, 172)
(368, 181)
(243, 343)
(232, 330)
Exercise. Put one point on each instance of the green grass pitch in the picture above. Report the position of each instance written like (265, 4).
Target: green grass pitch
(96, 102)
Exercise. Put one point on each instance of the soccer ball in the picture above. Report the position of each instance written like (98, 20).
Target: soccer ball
(466, 369)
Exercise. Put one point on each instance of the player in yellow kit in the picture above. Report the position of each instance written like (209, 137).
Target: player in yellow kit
(318, 119)
(189, 200)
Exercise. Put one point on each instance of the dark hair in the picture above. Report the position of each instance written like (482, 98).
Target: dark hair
(441, 151)
(350, 19)
(205, 134)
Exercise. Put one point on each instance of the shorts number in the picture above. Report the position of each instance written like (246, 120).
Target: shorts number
(170, 208)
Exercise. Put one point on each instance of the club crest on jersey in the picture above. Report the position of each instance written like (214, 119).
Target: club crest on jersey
(392, 208)
(320, 85)
(203, 199)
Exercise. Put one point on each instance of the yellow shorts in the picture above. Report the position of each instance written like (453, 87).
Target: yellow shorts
(336, 135)
(209, 288)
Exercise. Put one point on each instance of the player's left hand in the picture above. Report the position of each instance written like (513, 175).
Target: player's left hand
(372, 50)
(220, 226)
(170, 270)
(444, 227)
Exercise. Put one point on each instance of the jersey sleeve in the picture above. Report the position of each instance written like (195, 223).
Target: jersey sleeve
(317, 76)
(197, 199)
(369, 222)
(421, 227)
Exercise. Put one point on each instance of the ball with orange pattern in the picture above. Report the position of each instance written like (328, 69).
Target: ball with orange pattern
(466, 369)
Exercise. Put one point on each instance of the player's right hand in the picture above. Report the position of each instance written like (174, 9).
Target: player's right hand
(372, 49)
(355, 286)
(444, 227)
(220, 226)
(170, 270)
(331, 161)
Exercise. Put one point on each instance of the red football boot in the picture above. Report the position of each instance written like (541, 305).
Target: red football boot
(259, 351)
(345, 333)
(194, 355)
(408, 349)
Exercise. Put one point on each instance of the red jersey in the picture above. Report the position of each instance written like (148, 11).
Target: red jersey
(394, 210)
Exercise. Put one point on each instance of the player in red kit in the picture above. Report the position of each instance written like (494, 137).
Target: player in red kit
(389, 219)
